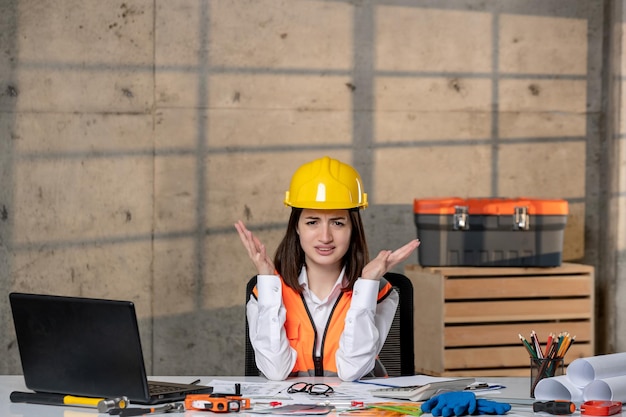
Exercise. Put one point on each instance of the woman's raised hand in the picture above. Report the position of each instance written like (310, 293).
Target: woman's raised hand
(387, 259)
(256, 250)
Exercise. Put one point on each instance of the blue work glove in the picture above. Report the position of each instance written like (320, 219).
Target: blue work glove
(491, 407)
(451, 404)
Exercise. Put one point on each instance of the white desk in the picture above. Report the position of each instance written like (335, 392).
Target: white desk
(516, 388)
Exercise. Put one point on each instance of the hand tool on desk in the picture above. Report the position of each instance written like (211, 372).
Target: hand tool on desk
(218, 403)
(102, 404)
(557, 407)
(166, 408)
(105, 405)
(600, 408)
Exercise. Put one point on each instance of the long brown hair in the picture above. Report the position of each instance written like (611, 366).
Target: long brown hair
(289, 258)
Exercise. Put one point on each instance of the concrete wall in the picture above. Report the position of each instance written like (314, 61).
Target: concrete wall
(133, 134)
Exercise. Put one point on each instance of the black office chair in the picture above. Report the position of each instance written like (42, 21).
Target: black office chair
(250, 364)
(397, 354)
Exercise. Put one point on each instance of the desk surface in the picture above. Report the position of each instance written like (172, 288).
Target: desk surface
(516, 388)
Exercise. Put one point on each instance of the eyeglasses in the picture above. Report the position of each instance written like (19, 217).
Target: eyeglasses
(312, 389)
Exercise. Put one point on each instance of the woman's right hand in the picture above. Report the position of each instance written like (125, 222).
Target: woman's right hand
(256, 250)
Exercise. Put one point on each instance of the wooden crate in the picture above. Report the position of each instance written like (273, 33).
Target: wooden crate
(467, 319)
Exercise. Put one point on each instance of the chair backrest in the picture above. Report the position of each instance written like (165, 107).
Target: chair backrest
(250, 364)
(397, 354)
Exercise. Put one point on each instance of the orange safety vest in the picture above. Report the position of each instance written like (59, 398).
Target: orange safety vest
(302, 335)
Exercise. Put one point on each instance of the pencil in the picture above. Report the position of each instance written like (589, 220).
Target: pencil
(563, 347)
(549, 345)
(535, 339)
(571, 342)
(567, 345)
(529, 348)
(553, 350)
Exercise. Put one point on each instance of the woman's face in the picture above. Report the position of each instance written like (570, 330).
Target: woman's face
(324, 235)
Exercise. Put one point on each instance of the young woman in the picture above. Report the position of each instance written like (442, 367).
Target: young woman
(321, 307)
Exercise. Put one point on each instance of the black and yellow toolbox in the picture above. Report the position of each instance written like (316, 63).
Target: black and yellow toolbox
(490, 231)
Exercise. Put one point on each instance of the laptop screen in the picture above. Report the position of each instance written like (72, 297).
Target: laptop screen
(79, 346)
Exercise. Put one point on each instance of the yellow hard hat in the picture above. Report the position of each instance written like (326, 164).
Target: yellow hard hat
(326, 183)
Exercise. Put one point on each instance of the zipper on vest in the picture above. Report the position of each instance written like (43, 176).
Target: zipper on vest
(330, 318)
(318, 361)
(319, 365)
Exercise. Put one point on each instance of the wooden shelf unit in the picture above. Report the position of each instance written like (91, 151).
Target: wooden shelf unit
(467, 319)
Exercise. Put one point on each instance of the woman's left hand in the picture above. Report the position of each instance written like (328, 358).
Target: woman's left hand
(387, 259)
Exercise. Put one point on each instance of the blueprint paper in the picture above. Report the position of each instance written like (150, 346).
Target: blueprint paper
(609, 389)
(558, 388)
(584, 370)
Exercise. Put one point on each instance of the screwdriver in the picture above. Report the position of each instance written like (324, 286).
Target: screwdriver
(555, 407)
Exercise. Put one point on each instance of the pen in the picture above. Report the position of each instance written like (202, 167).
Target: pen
(482, 385)
(342, 403)
(270, 403)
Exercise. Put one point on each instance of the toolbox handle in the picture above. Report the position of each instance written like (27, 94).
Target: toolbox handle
(521, 219)
(460, 218)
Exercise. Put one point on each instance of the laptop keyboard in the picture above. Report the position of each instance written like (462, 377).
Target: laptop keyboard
(159, 388)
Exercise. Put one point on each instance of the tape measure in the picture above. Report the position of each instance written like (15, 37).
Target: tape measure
(600, 408)
(216, 403)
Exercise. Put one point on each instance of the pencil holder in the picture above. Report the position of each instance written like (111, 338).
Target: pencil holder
(544, 368)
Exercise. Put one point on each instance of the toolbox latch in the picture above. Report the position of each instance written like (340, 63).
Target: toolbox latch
(460, 218)
(521, 221)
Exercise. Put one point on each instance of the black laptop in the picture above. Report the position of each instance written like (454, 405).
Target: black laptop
(86, 347)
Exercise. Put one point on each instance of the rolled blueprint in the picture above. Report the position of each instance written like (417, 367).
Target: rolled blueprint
(558, 388)
(608, 389)
(583, 371)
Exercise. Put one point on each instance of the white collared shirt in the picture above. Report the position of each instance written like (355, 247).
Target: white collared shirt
(366, 327)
